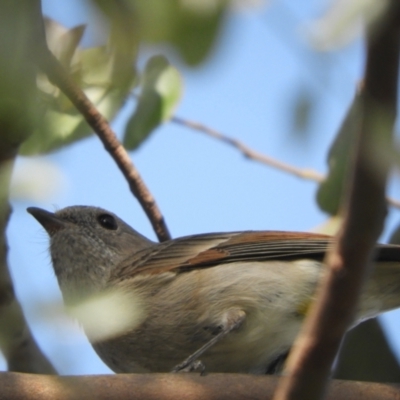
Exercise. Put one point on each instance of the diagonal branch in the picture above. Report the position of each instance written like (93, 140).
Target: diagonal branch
(309, 365)
(251, 154)
(60, 77)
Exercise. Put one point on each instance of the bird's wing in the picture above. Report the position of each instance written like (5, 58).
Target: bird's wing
(208, 250)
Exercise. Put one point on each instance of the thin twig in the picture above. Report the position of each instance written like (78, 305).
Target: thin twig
(310, 362)
(248, 152)
(60, 77)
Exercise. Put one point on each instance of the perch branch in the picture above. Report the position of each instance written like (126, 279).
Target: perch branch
(171, 387)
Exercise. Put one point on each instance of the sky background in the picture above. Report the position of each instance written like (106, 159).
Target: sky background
(261, 65)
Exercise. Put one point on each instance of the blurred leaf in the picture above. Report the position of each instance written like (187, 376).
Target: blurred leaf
(97, 71)
(61, 41)
(161, 91)
(366, 355)
(331, 189)
(18, 94)
(302, 109)
(244, 5)
(302, 113)
(358, 360)
(344, 21)
(330, 227)
(109, 314)
(190, 25)
(124, 36)
(395, 236)
(36, 180)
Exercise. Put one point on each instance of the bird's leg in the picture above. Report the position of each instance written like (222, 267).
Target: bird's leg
(233, 320)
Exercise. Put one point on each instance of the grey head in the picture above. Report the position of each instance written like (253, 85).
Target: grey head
(86, 243)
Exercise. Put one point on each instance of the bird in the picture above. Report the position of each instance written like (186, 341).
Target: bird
(223, 302)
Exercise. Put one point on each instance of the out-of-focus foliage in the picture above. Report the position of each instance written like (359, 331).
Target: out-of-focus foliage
(330, 227)
(36, 180)
(107, 73)
(161, 91)
(330, 191)
(96, 70)
(109, 314)
(17, 90)
(303, 108)
(367, 356)
(395, 237)
(344, 21)
(189, 25)
(342, 151)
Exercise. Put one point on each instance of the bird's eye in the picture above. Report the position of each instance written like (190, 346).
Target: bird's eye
(107, 221)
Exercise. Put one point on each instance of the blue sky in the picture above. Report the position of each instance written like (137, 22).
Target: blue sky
(247, 89)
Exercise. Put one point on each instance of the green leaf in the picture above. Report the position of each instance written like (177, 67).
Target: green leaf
(303, 108)
(61, 41)
(358, 358)
(98, 72)
(192, 26)
(161, 92)
(198, 28)
(331, 190)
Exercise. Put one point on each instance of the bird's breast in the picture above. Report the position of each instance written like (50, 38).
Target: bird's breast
(184, 311)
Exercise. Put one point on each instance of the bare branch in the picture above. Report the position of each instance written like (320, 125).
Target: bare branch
(60, 77)
(171, 387)
(310, 362)
(248, 152)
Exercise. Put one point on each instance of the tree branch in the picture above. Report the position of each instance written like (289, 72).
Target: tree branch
(171, 387)
(248, 152)
(310, 362)
(60, 77)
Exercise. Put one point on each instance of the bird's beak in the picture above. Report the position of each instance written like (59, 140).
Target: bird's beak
(48, 220)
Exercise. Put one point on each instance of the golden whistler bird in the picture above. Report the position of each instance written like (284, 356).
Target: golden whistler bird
(233, 300)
